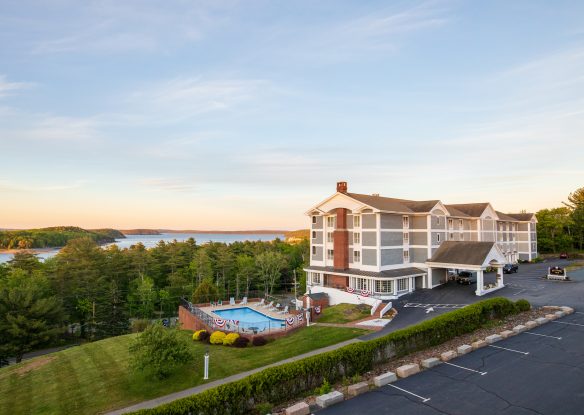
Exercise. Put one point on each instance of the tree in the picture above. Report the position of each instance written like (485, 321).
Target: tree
(111, 314)
(26, 261)
(160, 351)
(554, 229)
(205, 292)
(30, 315)
(164, 299)
(201, 267)
(245, 271)
(575, 199)
(142, 296)
(269, 265)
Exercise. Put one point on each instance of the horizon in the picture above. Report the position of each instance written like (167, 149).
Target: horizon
(245, 115)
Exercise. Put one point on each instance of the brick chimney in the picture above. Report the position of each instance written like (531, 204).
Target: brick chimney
(341, 240)
(342, 187)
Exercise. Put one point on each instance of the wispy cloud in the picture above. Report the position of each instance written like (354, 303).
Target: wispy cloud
(8, 87)
(11, 186)
(167, 184)
(51, 128)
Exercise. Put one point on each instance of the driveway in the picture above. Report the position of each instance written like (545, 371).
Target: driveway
(528, 283)
(536, 372)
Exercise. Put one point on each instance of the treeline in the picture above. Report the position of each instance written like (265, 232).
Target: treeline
(54, 237)
(561, 229)
(94, 292)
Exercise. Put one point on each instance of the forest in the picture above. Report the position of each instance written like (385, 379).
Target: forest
(86, 292)
(54, 237)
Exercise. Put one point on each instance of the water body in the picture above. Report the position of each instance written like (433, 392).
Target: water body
(150, 241)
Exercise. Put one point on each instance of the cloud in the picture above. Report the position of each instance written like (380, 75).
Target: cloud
(7, 88)
(51, 128)
(166, 184)
(10, 186)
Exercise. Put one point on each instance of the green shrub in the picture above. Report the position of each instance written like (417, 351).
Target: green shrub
(285, 382)
(264, 408)
(324, 388)
(241, 342)
(230, 339)
(259, 341)
(522, 305)
(139, 325)
(217, 337)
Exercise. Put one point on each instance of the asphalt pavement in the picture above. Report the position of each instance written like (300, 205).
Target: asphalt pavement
(537, 372)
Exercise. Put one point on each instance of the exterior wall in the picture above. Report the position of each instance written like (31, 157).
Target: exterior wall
(318, 239)
(336, 281)
(392, 238)
(351, 257)
(349, 221)
(319, 222)
(190, 322)
(319, 254)
(391, 221)
(419, 255)
(418, 222)
(435, 224)
(418, 238)
(524, 257)
(435, 237)
(392, 256)
(438, 276)
(368, 221)
(369, 257)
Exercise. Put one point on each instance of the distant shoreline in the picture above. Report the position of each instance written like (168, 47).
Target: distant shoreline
(162, 231)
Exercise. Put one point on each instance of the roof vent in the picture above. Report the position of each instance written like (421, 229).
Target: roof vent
(375, 194)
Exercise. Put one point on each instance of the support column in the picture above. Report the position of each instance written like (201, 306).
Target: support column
(480, 283)
(500, 283)
(429, 284)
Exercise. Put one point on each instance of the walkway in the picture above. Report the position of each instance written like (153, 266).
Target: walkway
(201, 388)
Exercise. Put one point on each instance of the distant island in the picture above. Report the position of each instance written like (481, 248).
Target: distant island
(54, 237)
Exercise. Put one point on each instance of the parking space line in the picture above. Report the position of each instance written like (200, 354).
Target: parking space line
(411, 393)
(465, 368)
(571, 324)
(578, 312)
(519, 292)
(542, 335)
(509, 350)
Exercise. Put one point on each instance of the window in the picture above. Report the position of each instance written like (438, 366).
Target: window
(460, 224)
(461, 236)
(360, 283)
(314, 250)
(450, 224)
(316, 277)
(314, 219)
(406, 256)
(406, 238)
(330, 237)
(513, 227)
(451, 236)
(330, 254)
(438, 237)
(356, 221)
(402, 284)
(313, 234)
(356, 238)
(331, 221)
(437, 220)
(356, 256)
(384, 286)
(406, 222)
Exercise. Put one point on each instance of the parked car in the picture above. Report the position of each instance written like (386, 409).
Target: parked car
(466, 277)
(510, 268)
(563, 255)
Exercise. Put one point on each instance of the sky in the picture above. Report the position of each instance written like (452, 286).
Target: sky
(244, 114)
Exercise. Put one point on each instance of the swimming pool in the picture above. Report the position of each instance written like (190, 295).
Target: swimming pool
(248, 318)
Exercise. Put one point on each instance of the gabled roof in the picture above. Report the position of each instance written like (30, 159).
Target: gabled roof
(395, 205)
(503, 216)
(463, 253)
(474, 210)
(455, 212)
(522, 217)
(393, 273)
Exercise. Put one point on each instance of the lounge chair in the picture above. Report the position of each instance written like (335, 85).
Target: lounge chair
(268, 306)
(275, 308)
(219, 303)
(284, 311)
(260, 304)
(212, 303)
(231, 300)
(244, 301)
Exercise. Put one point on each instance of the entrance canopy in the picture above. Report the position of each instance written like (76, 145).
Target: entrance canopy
(472, 256)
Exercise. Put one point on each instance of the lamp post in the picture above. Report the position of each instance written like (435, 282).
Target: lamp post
(308, 309)
(206, 370)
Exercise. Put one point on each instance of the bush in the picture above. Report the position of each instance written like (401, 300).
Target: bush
(259, 341)
(197, 334)
(522, 305)
(230, 339)
(324, 388)
(204, 336)
(139, 325)
(241, 342)
(264, 408)
(288, 381)
(217, 337)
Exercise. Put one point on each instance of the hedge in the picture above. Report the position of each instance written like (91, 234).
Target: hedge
(284, 382)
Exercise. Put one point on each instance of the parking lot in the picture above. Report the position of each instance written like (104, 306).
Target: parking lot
(537, 372)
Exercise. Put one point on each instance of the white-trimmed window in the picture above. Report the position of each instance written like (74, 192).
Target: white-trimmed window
(406, 256)
(462, 236)
(357, 256)
(356, 238)
(451, 236)
(406, 238)
(314, 219)
(437, 220)
(384, 286)
(330, 237)
(314, 250)
(406, 222)
(438, 237)
(361, 284)
(403, 284)
(513, 227)
(313, 234)
(356, 221)
(330, 254)
(460, 224)
(316, 277)
(331, 221)
(450, 223)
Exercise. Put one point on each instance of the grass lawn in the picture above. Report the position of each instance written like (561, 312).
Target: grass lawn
(344, 313)
(95, 378)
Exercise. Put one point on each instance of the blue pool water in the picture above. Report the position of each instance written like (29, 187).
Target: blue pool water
(249, 318)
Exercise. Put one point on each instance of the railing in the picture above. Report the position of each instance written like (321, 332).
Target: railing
(270, 325)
